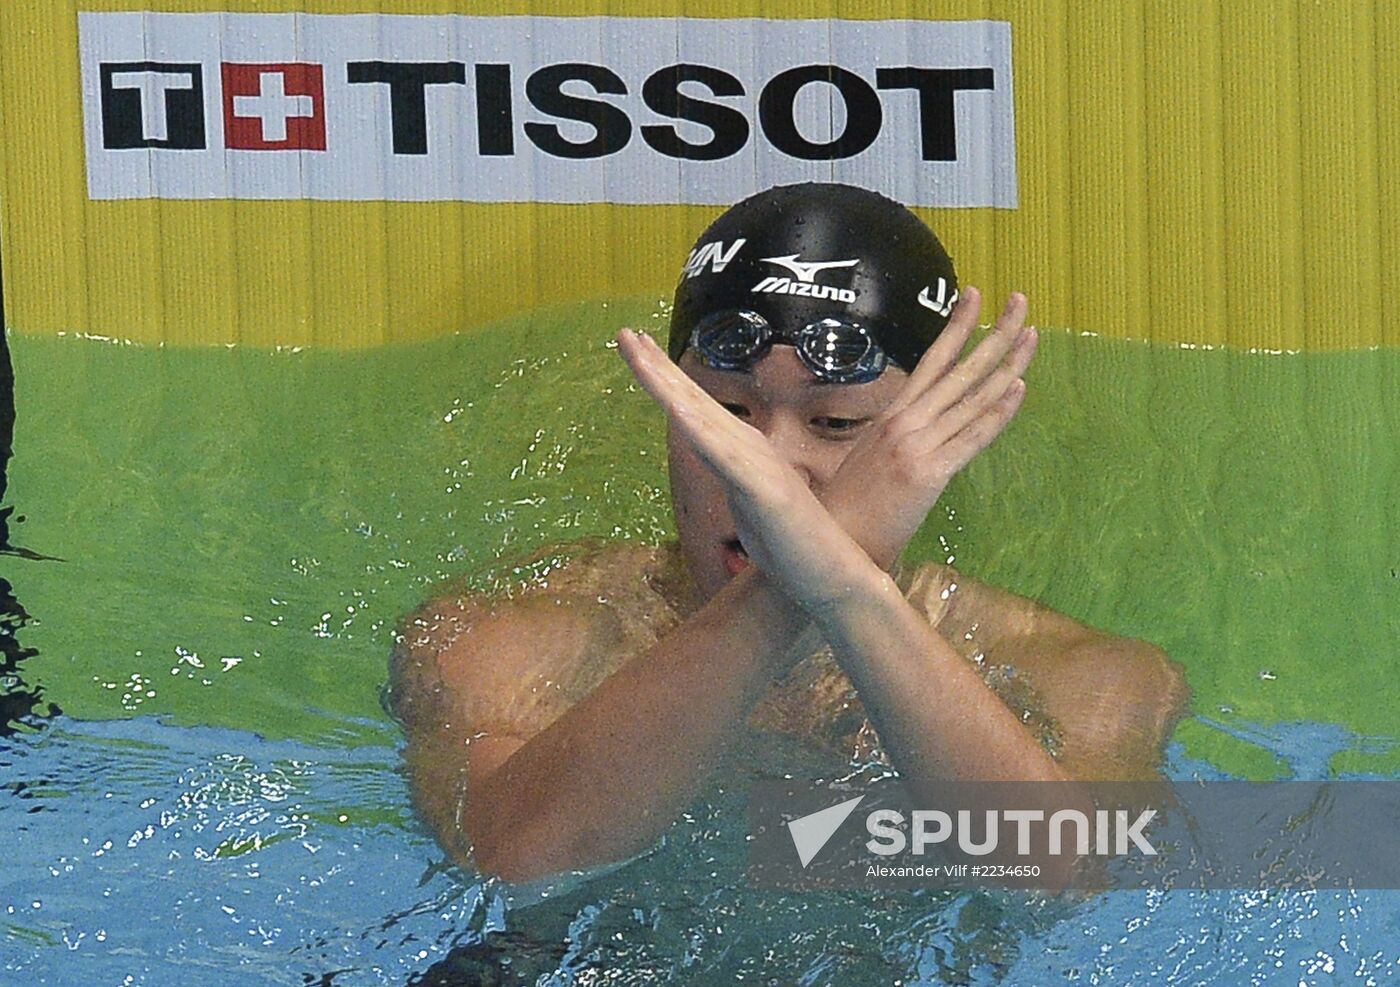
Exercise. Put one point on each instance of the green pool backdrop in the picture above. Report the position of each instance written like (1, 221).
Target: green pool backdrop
(235, 532)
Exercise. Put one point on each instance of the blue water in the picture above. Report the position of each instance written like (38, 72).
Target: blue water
(146, 854)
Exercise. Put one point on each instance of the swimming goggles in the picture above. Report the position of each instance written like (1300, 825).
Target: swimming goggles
(836, 350)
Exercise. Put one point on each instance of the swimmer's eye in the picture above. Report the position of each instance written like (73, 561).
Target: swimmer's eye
(737, 410)
(831, 424)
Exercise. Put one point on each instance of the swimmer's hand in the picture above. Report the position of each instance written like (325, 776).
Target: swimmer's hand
(784, 528)
(947, 413)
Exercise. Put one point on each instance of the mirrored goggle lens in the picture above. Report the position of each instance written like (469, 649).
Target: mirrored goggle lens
(833, 349)
(730, 340)
(844, 352)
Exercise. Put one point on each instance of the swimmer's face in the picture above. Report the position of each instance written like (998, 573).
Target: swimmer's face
(812, 424)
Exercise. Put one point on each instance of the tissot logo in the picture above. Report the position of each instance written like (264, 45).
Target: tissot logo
(561, 109)
(274, 107)
(152, 104)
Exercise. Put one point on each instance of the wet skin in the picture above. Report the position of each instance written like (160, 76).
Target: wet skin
(824, 485)
(811, 425)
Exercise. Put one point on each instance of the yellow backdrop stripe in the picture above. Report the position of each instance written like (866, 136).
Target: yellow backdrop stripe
(1197, 171)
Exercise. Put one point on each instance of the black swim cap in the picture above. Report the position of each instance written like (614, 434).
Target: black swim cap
(798, 253)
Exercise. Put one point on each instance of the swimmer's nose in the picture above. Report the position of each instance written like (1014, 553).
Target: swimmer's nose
(797, 449)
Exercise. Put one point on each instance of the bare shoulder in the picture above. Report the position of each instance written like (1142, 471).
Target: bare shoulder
(1115, 699)
(509, 662)
(475, 674)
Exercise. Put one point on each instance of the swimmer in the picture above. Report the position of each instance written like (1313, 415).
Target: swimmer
(818, 405)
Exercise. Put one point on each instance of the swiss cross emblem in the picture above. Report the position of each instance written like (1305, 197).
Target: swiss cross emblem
(278, 107)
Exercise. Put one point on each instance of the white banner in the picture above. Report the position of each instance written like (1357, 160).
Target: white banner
(543, 109)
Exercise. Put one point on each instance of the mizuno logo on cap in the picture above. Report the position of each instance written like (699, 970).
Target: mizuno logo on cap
(787, 286)
(807, 271)
(805, 286)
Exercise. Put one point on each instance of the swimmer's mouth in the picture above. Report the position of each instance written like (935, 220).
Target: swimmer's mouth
(735, 545)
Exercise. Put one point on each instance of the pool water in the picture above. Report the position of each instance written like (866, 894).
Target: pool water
(231, 534)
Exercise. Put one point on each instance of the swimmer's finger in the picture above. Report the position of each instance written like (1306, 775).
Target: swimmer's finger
(955, 418)
(684, 402)
(661, 383)
(1001, 346)
(988, 353)
(724, 442)
(679, 396)
(939, 357)
(981, 432)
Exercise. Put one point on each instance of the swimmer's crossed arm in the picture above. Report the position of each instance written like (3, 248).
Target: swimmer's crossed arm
(609, 773)
(937, 719)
